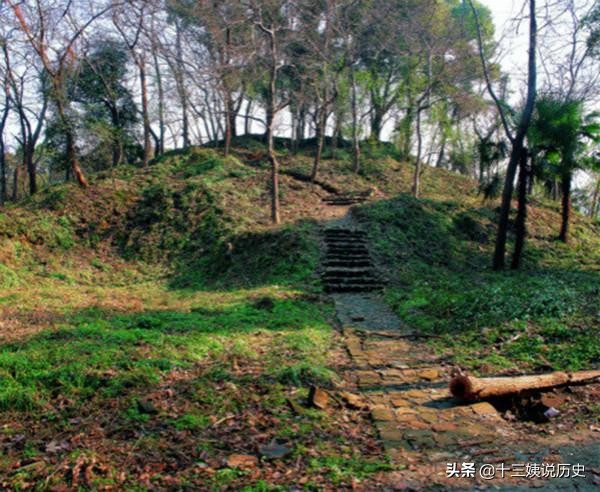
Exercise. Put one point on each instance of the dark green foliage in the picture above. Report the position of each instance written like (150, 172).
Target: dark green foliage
(169, 221)
(284, 257)
(436, 253)
(109, 112)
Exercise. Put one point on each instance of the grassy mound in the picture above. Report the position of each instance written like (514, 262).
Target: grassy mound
(437, 253)
(195, 213)
(159, 314)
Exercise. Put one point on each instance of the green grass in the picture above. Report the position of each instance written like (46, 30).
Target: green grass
(437, 254)
(168, 285)
(99, 355)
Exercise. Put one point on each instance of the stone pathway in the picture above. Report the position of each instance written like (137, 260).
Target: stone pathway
(346, 199)
(422, 428)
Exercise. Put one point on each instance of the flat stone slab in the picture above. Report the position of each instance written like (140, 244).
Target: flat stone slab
(370, 308)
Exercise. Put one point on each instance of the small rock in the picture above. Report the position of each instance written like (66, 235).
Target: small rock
(274, 451)
(444, 427)
(429, 374)
(318, 398)
(483, 408)
(243, 461)
(551, 413)
(353, 401)
(382, 414)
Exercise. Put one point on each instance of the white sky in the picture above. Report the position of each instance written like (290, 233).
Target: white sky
(513, 45)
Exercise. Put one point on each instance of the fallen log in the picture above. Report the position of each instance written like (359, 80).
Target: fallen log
(470, 388)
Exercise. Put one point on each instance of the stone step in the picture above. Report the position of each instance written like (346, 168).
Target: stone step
(343, 203)
(346, 240)
(345, 243)
(339, 279)
(349, 270)
(347, 253)
(362, 196)
(364, 280)
(363, 260)
(348, 257)
(341, 230)
(347, 246)
(327, 266)
(352, 288)
(345, 237)
(350, 273)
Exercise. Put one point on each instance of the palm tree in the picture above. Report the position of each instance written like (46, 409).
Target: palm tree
(561, 134)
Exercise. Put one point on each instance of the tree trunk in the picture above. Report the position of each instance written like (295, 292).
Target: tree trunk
(185, 124)
(473, 389)
(441, 155)
(355, 142)
(319, 136)
(247, 120)
(31, 168)
(230, 122)
(511, 171)
(161, 105)
(518, 140)
(274, 164)
(566, 208)
(522, 212)
(275, 206)
(70, 144)
(295, 114)
(417, 174)
(72, 159)
(376, 124)
(145, 113)
(406, 130)
(3, 181)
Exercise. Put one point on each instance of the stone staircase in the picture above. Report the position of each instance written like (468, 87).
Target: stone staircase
(347, 199)
(348, 266)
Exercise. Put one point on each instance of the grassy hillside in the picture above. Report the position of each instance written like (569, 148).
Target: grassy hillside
(161, 315)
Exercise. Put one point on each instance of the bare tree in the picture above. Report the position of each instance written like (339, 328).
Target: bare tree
(17, 85)
(131, 26)
(3, 121)
(321, 64)
(516, 136)
(271, 18)
(52, 31)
